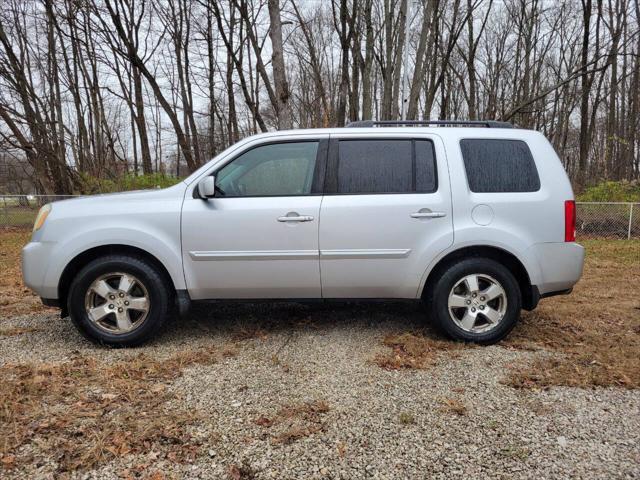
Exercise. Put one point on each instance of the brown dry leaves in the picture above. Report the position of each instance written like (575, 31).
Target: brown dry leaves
(14, 331)
(296, 421)
(453, 405)
(413, 350)
(84, 412)
(596, 329)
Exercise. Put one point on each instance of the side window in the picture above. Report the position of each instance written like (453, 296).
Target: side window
(494, 166)
(281, 169)
(385, 166)
(426, 173)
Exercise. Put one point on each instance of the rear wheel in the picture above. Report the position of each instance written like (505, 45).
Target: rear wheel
(475, 300)
(119, 300)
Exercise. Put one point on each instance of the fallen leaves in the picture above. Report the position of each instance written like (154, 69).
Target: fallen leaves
(453, 405)
(412, 350)
(296, 421)
(594, 330)
(13, 331)
(85, 412)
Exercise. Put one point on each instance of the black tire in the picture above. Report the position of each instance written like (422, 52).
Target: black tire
(437, 299)
(160, 295)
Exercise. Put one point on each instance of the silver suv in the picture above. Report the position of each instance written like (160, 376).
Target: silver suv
(476, 219)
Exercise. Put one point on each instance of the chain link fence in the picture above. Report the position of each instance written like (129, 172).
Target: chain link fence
(607, 220)
(21, 210)
(594, 219)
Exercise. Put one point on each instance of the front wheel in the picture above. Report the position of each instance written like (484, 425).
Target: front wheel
(119, 300)
(475, 300)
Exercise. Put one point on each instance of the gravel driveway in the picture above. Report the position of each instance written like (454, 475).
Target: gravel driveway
(300, 397)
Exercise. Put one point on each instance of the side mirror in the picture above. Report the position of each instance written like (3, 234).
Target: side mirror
(207, 187)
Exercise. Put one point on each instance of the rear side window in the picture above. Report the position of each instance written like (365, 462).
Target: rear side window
(385, 166)
(494, 166)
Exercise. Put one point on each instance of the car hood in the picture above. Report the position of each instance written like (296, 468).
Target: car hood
(124, 203)
(175, 191)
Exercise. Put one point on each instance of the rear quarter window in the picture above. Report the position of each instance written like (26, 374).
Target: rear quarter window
(495, 165)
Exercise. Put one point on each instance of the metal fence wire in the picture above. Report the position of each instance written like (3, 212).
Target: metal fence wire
(607, 220)
(21, 210)
(593, 219)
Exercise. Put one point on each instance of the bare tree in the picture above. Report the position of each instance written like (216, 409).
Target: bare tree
(279, 73)
(98, 88)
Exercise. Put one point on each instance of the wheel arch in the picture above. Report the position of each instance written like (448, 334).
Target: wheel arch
(529, 292)
(80, 260)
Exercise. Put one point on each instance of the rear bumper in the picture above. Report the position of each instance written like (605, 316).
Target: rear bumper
(555, 294)
(561, 266)
(532, 298)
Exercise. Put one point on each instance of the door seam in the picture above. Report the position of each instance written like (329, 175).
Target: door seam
(319, 262)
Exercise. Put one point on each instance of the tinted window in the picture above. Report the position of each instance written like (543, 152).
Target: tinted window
(425, 166)
(499, 166)
(278, 169)
(385, 166)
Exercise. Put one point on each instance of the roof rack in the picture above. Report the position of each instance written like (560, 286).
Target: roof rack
(400, 123)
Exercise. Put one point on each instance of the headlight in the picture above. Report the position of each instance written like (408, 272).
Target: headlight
(42, 216)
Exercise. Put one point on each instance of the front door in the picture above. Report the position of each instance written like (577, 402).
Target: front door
(385, 215)
(258, 237)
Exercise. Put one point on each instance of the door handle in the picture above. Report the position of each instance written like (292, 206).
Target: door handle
(296, 218)
(428, 214)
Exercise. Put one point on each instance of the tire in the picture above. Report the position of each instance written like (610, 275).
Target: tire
(97, 295)
(452, 287)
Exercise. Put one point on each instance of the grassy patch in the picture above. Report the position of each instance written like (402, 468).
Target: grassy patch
(596, 329)
(609, 191)
(22, 216)
(407, 418)
(412, 350)
(84, 413)
(515, 452)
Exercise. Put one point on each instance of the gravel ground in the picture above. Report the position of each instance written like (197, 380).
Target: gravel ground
(379, 423)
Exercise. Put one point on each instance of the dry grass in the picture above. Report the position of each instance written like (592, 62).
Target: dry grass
(13, 331)
(412, 350)
(296, 421)
(453, 405)
(251, 332)
(596, 329)
(16, 298)
(84, 413)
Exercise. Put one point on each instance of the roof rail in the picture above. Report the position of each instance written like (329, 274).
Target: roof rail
(400, 123)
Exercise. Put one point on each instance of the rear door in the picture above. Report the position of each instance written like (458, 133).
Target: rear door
(385, 215)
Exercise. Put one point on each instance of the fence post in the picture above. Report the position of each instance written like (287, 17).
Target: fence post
(630, 220)
(6, 211)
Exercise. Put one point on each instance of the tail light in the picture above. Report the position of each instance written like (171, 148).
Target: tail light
(569, 221)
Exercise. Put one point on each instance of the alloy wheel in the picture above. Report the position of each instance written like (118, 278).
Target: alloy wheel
(477, 303)
(117, 302)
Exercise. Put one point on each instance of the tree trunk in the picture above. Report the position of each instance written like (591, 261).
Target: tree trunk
(283, 111)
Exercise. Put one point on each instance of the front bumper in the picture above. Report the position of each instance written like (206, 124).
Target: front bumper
(35, 261)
